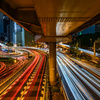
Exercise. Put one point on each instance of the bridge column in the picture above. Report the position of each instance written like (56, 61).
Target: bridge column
(52, 63)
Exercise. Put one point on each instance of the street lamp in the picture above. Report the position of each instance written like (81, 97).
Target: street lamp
(81, 54)
(15, 61)
(81, 51)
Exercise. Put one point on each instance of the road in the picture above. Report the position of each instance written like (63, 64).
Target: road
(83, 50)
(78, 83)
(26, 81)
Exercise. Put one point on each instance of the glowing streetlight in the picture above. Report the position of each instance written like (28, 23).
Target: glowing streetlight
(15, 61)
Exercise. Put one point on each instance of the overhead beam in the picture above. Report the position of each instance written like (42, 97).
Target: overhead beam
(6, 9)
(27, 8)
(27, 28)
(22, 15)
(91, 22)
(28, 16)
(33, 29)
(37, 30)
(54, 39)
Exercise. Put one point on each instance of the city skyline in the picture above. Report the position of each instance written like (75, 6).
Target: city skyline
(14, 33)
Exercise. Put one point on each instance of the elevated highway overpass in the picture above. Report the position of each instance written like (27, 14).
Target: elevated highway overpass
(52, 20)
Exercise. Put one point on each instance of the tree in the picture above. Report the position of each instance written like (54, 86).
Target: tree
(76, 51)
(72, 49)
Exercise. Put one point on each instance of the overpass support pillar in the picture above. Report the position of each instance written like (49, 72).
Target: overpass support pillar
(52, 63)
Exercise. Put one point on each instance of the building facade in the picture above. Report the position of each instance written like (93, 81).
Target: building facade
(11, 32)
(1, 27)
(1, 23)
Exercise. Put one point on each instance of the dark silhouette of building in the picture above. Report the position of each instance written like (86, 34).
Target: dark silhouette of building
(97, 28)
(1, 27)
(1, 23)
(6, 22)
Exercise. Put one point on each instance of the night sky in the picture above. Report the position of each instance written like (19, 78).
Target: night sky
(88, 30)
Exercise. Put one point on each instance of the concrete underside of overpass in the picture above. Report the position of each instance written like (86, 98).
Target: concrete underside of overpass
(52, 20)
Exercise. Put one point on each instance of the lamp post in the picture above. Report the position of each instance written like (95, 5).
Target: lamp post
(81, 54)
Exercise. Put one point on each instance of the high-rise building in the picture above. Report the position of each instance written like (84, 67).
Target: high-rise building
(6, 22)
(10, 31)
(7, 37)
(97, 28)
(1, 24)
(1, 27)
(27, 38)
(17, 34)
